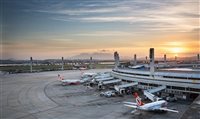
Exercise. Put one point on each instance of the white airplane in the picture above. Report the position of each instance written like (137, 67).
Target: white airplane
(160, 105)
(69, 82)
(82, 68)
(136, 66)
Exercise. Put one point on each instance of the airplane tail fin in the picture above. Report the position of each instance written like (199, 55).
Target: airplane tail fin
(138, 99)
(60, 77)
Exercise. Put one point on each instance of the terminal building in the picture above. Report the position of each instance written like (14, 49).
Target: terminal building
(182, 84)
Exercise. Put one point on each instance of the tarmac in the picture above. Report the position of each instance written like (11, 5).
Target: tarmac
(41, 96)
(193, 111)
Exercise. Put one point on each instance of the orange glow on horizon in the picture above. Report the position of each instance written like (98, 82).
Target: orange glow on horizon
(177, 50)
(126, 48)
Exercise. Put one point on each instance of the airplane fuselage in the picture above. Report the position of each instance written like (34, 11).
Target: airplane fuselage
(70, 82)
(153, 106)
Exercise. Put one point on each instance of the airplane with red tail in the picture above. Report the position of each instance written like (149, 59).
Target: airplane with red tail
(68, 81)
(160, 105)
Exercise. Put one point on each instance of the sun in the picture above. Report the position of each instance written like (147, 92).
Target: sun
(177, 50)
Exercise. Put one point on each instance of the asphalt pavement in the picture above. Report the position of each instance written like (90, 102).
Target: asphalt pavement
(41, 96)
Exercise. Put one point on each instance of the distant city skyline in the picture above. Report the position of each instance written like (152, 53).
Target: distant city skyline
(52, 29)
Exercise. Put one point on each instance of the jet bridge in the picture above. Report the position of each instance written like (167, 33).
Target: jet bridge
(102, 76)
(121, 88)
(149, 93)
(109, 82)
(104, 79)
(157, 89)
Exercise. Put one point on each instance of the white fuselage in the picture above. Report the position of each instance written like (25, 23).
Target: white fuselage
(70, 82)
(153, 106)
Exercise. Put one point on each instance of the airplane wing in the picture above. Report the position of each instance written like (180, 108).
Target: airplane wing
(130, 103)
(133, 106)
(169, 110)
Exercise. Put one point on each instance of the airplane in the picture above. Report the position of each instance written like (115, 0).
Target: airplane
(83, 68)
(79, 67)
(69, 82)
(137, 67)
(159, 105)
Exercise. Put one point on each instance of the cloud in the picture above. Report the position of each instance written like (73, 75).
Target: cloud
(109, 19)
(84, 11)
(105, 33)
(189, 15)
(177, 16)
(95, 24)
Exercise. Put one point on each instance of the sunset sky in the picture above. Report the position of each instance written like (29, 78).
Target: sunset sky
(55, 28)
